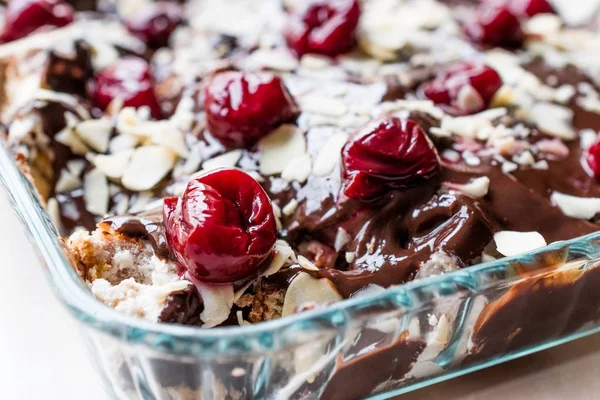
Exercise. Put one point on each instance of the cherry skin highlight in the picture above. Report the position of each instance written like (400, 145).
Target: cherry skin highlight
(23, 17)
(155, 23)
(593, 159)
(128, 79)
(529, 8)
(464, 88)
(325, 27)
(495, 24)
(243, 107)
(384, 155)
(223, 228)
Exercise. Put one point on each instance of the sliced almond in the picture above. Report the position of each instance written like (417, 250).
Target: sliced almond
(148, 166)
(54, 212)
(170, 137)
(275, 59)
(227, 160)
(96, 192)
(553, 119)
(95, 133)
(282, 253)
(218, 301)
(576, 207)
(510, 243)
(76, 167)
(68, 137)
(478, 187)
(342, 238)
(298, 169)
(113, 165)
(324, 105)
(123, 142)
(279, 147)
(330, 154)
(67, 182)
(304, 288)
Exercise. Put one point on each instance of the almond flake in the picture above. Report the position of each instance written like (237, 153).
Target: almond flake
(290, 208)
(510, 243)
(275, 59)
(315, 61)
(319, 104)
(478, 187)
(66, 182)
(330, 154)
(304, 288)
(227, 160)
(553, 119)
(218, 301)
(76, 167)
(68, 137)
(96, 194)
(148, 166)
(95, 133)
(298, 169)
(279, 147)
(307, 264)
(113, 165)
(282, 253)
(54, 212)
(342, 238)
(167, 135)
(576, 207)
(123, 142)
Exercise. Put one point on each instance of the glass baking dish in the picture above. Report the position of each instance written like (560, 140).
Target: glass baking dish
(381, 344)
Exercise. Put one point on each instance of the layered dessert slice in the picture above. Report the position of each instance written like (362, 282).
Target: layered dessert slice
(229, 163)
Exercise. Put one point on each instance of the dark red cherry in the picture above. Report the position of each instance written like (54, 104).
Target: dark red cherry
(529, 8)
(323, 26)
(223, 228)
(496, 25)
(464, 88)
(243, 107)
(155, 23)
(129, 79)
(593, 159)
(387, 154)
(23, 17)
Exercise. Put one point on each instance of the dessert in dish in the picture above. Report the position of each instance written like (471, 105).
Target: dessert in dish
(228, 163)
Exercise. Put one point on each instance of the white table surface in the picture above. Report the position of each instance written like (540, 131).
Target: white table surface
(42, 356)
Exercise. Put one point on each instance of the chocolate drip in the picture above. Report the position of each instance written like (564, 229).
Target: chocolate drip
(150, 228)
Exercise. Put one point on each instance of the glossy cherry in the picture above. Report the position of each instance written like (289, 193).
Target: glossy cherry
(593, 159)
(495, 24)
(464, 88)
(223, 228)
(129, 79)
(323, 26)
(529, 8)
(23, 17)
(155, 22)
(387, 154)
(243, 107)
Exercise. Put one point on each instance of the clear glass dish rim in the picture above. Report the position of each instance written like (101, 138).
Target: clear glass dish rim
(73, 293)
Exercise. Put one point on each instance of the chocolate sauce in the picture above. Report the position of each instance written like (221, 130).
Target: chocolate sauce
(149, 228)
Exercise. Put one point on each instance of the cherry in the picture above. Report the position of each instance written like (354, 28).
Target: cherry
(464, 88)
(243, 107)
(129, 79)
(323, 26)
(23, 17)
(387, 154)
(155, 23)
(495, 24)
(529, 8)
(593, 159)
(223, 228)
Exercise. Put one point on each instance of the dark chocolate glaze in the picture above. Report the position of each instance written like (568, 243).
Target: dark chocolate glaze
(150, 228)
